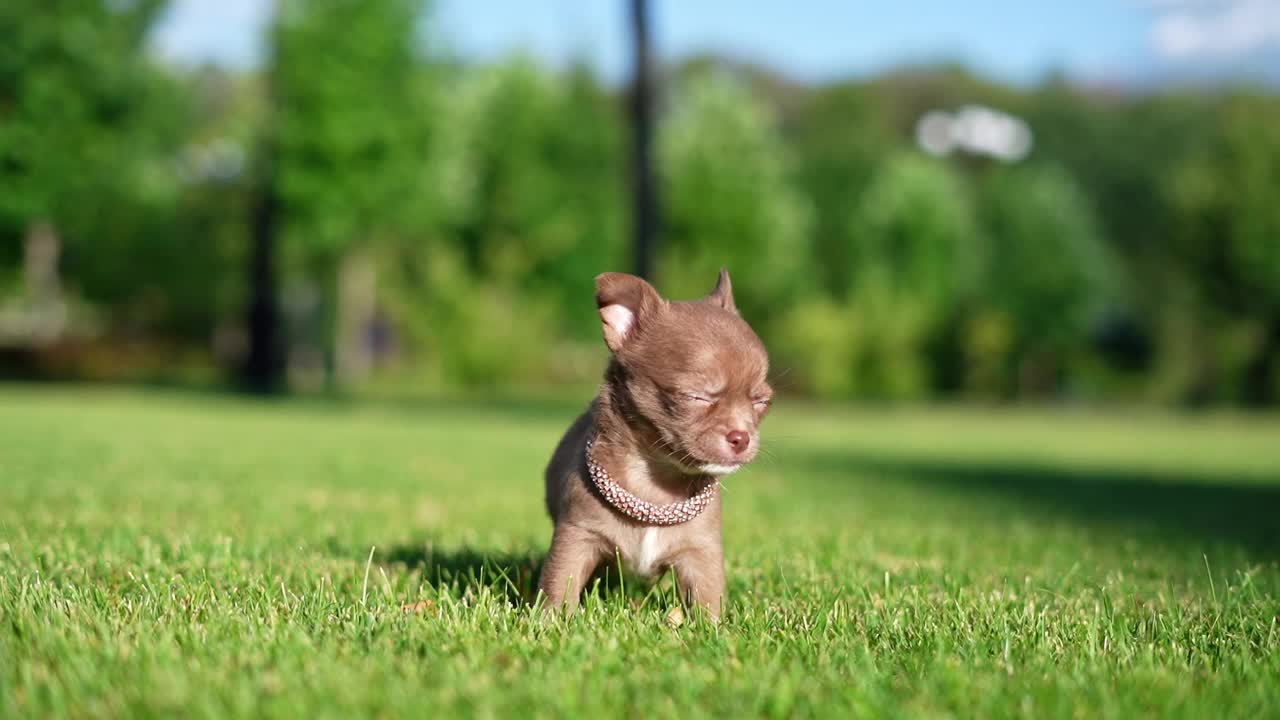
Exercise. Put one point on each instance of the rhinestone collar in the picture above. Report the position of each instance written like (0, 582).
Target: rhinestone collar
(646, 512)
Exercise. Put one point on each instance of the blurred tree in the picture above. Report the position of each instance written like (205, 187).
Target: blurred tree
(1228, 232)
(347, 143)
(1121, 150)
(913, 233)
(524, 178)
(911, 263)
(506, 117)
(585, 147)
(903, 95)
(841, 139)
(1046, 271)
(543, 157)
(78, 123)
(486, 198)
(729, 200)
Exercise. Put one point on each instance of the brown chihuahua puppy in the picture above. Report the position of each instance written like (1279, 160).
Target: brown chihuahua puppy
(637, 476)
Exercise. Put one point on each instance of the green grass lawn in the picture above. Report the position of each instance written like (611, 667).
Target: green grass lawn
(205, 556)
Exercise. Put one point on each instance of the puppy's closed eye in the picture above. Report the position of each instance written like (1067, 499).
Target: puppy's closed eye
(762, 400)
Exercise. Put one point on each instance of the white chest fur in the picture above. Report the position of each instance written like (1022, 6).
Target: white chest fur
(645, 558)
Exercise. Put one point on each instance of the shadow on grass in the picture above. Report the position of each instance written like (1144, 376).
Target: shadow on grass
(511, 576)
(1185, 505)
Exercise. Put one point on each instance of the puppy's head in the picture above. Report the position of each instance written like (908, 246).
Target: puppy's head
(691, 373)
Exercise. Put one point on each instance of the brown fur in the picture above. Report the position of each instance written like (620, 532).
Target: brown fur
(683, 376)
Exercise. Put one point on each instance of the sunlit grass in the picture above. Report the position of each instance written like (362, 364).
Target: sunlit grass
(207, 556)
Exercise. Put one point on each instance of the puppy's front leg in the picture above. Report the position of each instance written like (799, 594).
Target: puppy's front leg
(701, 577)
(573, 557)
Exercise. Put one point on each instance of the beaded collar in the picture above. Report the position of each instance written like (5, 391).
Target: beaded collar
(646, 512)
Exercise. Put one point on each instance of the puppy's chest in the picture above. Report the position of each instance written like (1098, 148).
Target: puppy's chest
(649, 551)
(646, 552)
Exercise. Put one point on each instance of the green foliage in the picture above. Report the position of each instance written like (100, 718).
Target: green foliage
(586, 149)
(1228, 217)
(1045, 266)
(346, 127)
(1044, 260)
(913, 235)
(910, 263)
(1122, 154)
(814, 345)
(1227, 237)
(89, 133)
(727, 198)
(464, 332)
(869, 349)
(158, 241)
(841, 141)
(1133, 255)
(73, 87)
(208, 557)
(541, 163)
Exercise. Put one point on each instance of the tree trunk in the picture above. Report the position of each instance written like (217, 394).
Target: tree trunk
(357, 303)
(45, 309)
(645, 214)
(1038, 375)
(1261, 375)
(264, 366)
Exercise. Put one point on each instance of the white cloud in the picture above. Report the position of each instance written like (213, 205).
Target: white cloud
(1190, 29)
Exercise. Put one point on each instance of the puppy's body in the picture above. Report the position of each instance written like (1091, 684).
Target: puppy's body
(680, 405)
(590, 531)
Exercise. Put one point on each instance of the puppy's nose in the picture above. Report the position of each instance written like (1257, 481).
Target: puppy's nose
(738, 440)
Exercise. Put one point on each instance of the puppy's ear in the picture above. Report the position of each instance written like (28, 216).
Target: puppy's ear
(625, 302)
(723, 294)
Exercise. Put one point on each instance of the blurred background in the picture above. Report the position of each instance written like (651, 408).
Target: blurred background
(985, 201)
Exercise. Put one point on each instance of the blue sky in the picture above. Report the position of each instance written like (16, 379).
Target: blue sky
(1111, 41)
